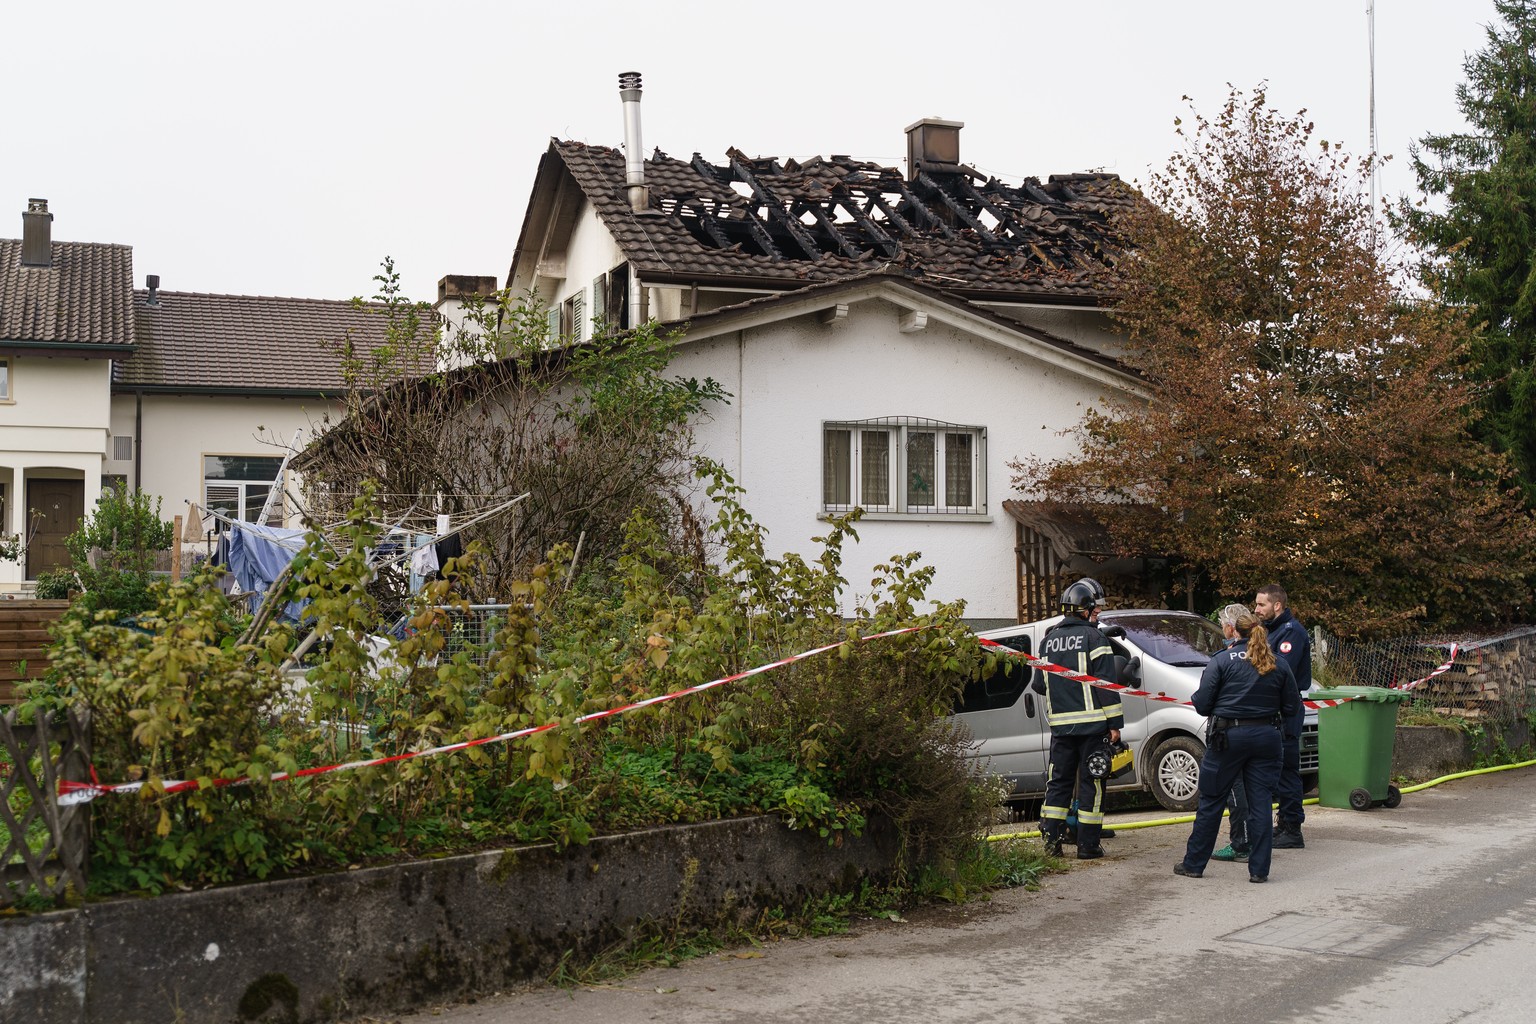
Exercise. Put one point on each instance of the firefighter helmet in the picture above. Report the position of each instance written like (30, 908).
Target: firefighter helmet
(1081, 598)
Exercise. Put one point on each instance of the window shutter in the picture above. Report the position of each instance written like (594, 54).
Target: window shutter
(599, 298)
(553, 318)
(578, 314)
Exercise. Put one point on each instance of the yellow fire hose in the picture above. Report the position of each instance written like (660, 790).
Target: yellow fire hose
(1184, 819)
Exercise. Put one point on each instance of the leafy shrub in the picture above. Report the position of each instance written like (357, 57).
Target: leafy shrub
(126, 528)
(55, 584)
(192, 690)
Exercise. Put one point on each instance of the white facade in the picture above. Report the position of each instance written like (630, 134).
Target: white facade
(178, 431)
(53, 426)
(791, 373)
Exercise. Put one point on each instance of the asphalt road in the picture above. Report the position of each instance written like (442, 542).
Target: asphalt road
(1426, 913)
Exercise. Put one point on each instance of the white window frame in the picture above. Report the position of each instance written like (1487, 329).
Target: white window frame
(7, 381)
(898, 430)
(240, 488)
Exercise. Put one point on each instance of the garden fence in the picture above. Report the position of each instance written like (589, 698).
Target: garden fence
(1492, 680)
(46, 847)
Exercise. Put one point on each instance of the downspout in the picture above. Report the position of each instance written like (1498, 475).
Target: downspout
(138, 440)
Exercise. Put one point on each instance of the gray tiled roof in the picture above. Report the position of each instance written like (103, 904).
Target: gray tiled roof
(825, 219)
(83, 299)
(245, 342)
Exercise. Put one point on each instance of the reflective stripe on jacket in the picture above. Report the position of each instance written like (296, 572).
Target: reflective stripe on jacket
(1072, 708)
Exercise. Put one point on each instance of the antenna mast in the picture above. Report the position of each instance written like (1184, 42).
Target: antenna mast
(1370, 17)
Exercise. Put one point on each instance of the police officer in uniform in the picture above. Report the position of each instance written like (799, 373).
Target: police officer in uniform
(1248, 694)
(1289, 640)
(1081, 717)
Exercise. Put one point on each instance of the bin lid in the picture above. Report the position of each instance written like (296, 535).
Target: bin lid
(1376, 693)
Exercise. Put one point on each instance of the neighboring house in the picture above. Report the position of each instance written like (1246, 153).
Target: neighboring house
(891, 341)
(66, 313)
(218, 385)
(186, 396)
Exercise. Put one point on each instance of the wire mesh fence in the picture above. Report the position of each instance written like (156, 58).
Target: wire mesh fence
(1492, 679)
(471, 628)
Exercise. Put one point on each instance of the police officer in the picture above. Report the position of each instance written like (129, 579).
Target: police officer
(1288, 639)
(1081, 717)
(1247, 694)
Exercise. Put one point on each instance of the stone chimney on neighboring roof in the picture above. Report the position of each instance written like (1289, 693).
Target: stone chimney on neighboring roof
(37, 235)
(463, 286)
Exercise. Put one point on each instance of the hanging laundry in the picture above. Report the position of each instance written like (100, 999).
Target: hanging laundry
(424, 561)
(449, 547)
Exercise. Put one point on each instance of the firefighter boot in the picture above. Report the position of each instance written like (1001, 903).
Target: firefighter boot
(1088, 847)
(1050, 834)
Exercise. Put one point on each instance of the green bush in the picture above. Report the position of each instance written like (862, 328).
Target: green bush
(190, 690)
(55, 584)
(126, 529)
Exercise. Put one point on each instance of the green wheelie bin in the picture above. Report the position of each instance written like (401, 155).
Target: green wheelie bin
(1354, 747)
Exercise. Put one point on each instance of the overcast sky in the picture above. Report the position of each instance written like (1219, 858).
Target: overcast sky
(283, 148)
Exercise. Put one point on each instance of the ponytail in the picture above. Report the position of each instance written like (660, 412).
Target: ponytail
(1259, 655)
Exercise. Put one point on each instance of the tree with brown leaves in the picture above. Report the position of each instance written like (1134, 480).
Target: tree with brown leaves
(1308, 422)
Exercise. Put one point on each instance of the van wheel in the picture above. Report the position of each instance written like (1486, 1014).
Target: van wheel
(1175, 772)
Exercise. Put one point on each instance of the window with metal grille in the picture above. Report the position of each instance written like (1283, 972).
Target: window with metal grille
(122, 448)
(904, 464)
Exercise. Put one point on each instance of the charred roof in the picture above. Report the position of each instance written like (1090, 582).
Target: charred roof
(786, 222)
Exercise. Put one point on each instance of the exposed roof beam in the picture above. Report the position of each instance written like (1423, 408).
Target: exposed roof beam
(958, 209)
(776, 209)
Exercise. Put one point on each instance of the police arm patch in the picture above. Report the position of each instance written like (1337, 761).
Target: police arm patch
(1285, 647)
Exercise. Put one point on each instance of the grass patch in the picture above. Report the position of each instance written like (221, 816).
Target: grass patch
(1424, 713)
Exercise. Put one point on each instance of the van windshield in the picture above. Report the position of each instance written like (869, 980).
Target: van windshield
(1185, 640)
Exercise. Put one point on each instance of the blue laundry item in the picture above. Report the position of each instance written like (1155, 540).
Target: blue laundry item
(257, 555)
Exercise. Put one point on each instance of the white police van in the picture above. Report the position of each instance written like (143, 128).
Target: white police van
(1157, 650)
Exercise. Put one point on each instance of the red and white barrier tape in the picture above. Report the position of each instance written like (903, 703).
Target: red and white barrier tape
(81, 792)
(1128, 691)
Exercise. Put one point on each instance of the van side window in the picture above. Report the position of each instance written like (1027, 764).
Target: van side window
(1002, 687)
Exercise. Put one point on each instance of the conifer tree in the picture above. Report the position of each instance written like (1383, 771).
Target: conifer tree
(1479, 219)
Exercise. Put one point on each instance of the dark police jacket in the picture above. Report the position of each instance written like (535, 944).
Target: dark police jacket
(1230, 687)
(1289, 640)
(1071, 708)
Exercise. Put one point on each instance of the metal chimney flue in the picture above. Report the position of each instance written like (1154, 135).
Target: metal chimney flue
(634, 153)
(37, 235)
(152, 282)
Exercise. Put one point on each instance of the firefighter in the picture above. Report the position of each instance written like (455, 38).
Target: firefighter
(1081, 717)
(1288, 639)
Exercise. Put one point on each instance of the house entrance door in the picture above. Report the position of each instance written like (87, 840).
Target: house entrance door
(62, 504)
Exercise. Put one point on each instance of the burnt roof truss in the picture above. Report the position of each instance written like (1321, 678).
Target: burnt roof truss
(856, 211)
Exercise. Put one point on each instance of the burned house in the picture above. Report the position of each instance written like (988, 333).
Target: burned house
(892, 338)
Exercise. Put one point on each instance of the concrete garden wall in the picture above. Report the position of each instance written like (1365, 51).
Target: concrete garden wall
(1423, 752)
(400, 936)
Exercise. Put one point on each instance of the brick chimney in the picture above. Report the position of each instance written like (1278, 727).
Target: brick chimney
(37, 235)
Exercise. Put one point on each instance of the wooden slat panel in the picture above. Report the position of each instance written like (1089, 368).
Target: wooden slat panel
(24, 641)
